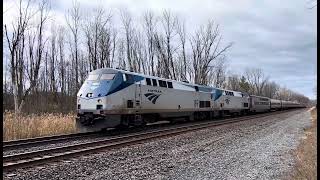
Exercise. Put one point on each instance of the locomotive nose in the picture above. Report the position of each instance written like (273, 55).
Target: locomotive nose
(92, 96)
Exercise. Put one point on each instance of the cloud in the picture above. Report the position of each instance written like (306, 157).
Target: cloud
(280, 39)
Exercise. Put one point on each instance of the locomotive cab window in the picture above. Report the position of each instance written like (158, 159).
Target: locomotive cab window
(170, 85)
(154, 82)
(148, 81)
(162, 83)
(129, 78)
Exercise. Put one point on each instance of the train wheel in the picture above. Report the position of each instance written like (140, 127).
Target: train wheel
(221, 114)
(124, 123)
(139, 121)
(211, 115)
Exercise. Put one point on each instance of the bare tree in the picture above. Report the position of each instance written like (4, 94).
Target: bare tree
(233, 82)
(163, 67)
(150, 25)
(114, 42)
(205, 45)
(121, 56)
(16, 43)
(105, 41)
(73, 18)
(62, 64)
(98, 39)
(127, 24)
(256, 79)
(53, 57)
(181, 28)
(168, 24)
(270, 89)
(138, 53)
(217, 73)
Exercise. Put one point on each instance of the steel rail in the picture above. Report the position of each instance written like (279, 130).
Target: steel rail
(43, 140)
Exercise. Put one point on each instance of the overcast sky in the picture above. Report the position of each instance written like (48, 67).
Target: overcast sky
(278, 36)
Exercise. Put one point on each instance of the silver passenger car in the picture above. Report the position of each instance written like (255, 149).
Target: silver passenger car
(259, 104)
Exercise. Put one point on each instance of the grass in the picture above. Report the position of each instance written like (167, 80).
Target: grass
(29, 126)
(306, 154)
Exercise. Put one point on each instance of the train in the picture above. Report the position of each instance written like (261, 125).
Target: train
(116, 98)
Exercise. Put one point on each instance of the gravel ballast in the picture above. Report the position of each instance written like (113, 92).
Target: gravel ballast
(254, 149)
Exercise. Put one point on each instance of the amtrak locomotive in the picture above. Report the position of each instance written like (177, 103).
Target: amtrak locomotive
(118, 98)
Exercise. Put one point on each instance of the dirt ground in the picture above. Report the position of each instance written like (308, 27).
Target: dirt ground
(306, 153)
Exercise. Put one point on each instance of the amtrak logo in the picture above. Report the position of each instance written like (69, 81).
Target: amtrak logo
(227, 100)
(152, 97)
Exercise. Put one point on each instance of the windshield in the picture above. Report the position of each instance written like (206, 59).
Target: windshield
(93, 77)
(96, 84)
(107, 76)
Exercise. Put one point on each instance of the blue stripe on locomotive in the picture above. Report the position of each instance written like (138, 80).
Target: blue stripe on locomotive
(216, 94)
(120, 84)
(107, 87)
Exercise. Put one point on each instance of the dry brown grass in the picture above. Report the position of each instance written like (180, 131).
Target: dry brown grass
(306, 154)
(29, 126)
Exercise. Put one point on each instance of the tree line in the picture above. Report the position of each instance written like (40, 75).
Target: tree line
(254, 81)
(47, 62)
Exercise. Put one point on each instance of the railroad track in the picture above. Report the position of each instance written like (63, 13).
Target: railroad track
(7, 145)
(27, 159)
(24, 143)
(31, 142)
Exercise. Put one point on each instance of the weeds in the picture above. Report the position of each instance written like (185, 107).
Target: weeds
(29, 126)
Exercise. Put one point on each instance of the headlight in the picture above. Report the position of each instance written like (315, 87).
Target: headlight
(99, 101)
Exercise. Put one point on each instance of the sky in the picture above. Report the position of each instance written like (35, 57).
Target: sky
(280, 37)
